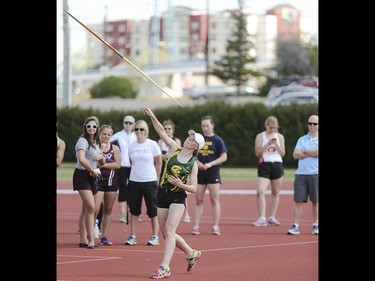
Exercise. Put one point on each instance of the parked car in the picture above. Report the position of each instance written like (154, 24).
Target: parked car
(219, 91)
(277, 91)
(308, 81)
(292, 81)
(301, 97)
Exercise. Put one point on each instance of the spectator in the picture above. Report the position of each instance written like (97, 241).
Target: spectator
(85, 176)
(169, 128)
(210, 158)
(145, 157)
(123, 139)
(60, 145)
(108, 183)
(306, 182)
(269, 148)
(179, 177)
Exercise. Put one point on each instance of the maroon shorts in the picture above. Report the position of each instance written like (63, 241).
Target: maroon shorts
(83, 181)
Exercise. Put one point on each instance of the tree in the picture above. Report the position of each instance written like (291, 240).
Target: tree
(113, 87)
(294, 58)
(313, 53)
(232, 67)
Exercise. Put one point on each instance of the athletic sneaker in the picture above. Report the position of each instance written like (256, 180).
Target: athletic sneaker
(195, 230)
(132, 240)
(260, 222)
(161, 272)
(186, 219)
(315, 229)
(273, 221)
(294, 230)
(123, 218)
(216, 230)
(192, 261)
(104, 241)
(154, 240)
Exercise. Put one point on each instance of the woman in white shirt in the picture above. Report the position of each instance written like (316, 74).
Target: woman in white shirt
(145, 157)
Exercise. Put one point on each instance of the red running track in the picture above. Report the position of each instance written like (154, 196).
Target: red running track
(241, 252)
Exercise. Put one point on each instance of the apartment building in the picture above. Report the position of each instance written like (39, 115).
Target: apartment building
(180, 34)
(180, 37)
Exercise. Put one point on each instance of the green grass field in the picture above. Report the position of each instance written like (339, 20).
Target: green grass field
(65, 173)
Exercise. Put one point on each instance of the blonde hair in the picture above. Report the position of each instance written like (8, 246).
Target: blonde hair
(273, 120)
(144, 125)
(169, 122)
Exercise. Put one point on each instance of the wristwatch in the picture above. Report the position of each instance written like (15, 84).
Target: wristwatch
(304, 151)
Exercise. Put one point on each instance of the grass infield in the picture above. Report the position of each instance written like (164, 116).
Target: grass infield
(65, 173)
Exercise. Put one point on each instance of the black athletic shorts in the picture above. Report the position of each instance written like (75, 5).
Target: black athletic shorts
(165, 198)
(271, 170)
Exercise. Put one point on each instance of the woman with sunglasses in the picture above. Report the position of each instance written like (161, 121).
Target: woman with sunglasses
(145, 158)
(85, 177)
(123, 138)
(178, 177)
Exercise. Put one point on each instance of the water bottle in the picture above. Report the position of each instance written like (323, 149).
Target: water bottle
(96, 229)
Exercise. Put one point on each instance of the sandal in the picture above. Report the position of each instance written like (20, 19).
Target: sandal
(82, 245)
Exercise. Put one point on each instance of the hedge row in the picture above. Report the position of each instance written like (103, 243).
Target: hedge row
(238, 125)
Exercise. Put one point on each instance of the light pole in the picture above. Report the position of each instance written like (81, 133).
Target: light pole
(67, 85)
(207, 39)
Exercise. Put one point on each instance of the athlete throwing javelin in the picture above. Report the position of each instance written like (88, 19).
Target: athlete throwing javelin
(178, 177)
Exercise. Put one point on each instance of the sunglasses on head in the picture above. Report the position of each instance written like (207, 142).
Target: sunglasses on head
(88, 126)
(139, 129)
(312, 123)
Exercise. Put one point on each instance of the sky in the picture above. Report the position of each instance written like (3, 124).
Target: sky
(94, 11)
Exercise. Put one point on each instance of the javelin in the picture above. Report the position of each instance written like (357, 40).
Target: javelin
(123, 57)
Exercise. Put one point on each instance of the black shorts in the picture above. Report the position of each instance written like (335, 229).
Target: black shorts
(208, 176)
(165, 199)
(271, 170)
(139, 190)
(123, 178)
(83, 181)
(111, 188)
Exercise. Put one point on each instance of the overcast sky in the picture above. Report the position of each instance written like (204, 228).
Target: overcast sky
(94, 11)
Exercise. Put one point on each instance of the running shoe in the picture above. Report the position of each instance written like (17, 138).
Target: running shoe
(315, 229)
(273, 221)
(195, 230)
(186, 219)
(132, 240)
(294, 230)
(154, 240)
(192, 261)
(260, 222)
(123, 218)
(161, 272)
(216, 230)
(104, 241)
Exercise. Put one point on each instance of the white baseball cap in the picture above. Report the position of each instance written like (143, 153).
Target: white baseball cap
(129, 118)
(197, 137)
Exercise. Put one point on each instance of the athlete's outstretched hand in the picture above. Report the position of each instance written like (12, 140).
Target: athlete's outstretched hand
(147, 111)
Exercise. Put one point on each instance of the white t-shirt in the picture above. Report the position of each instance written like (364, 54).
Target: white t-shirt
(142, 159)
(124, 139)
